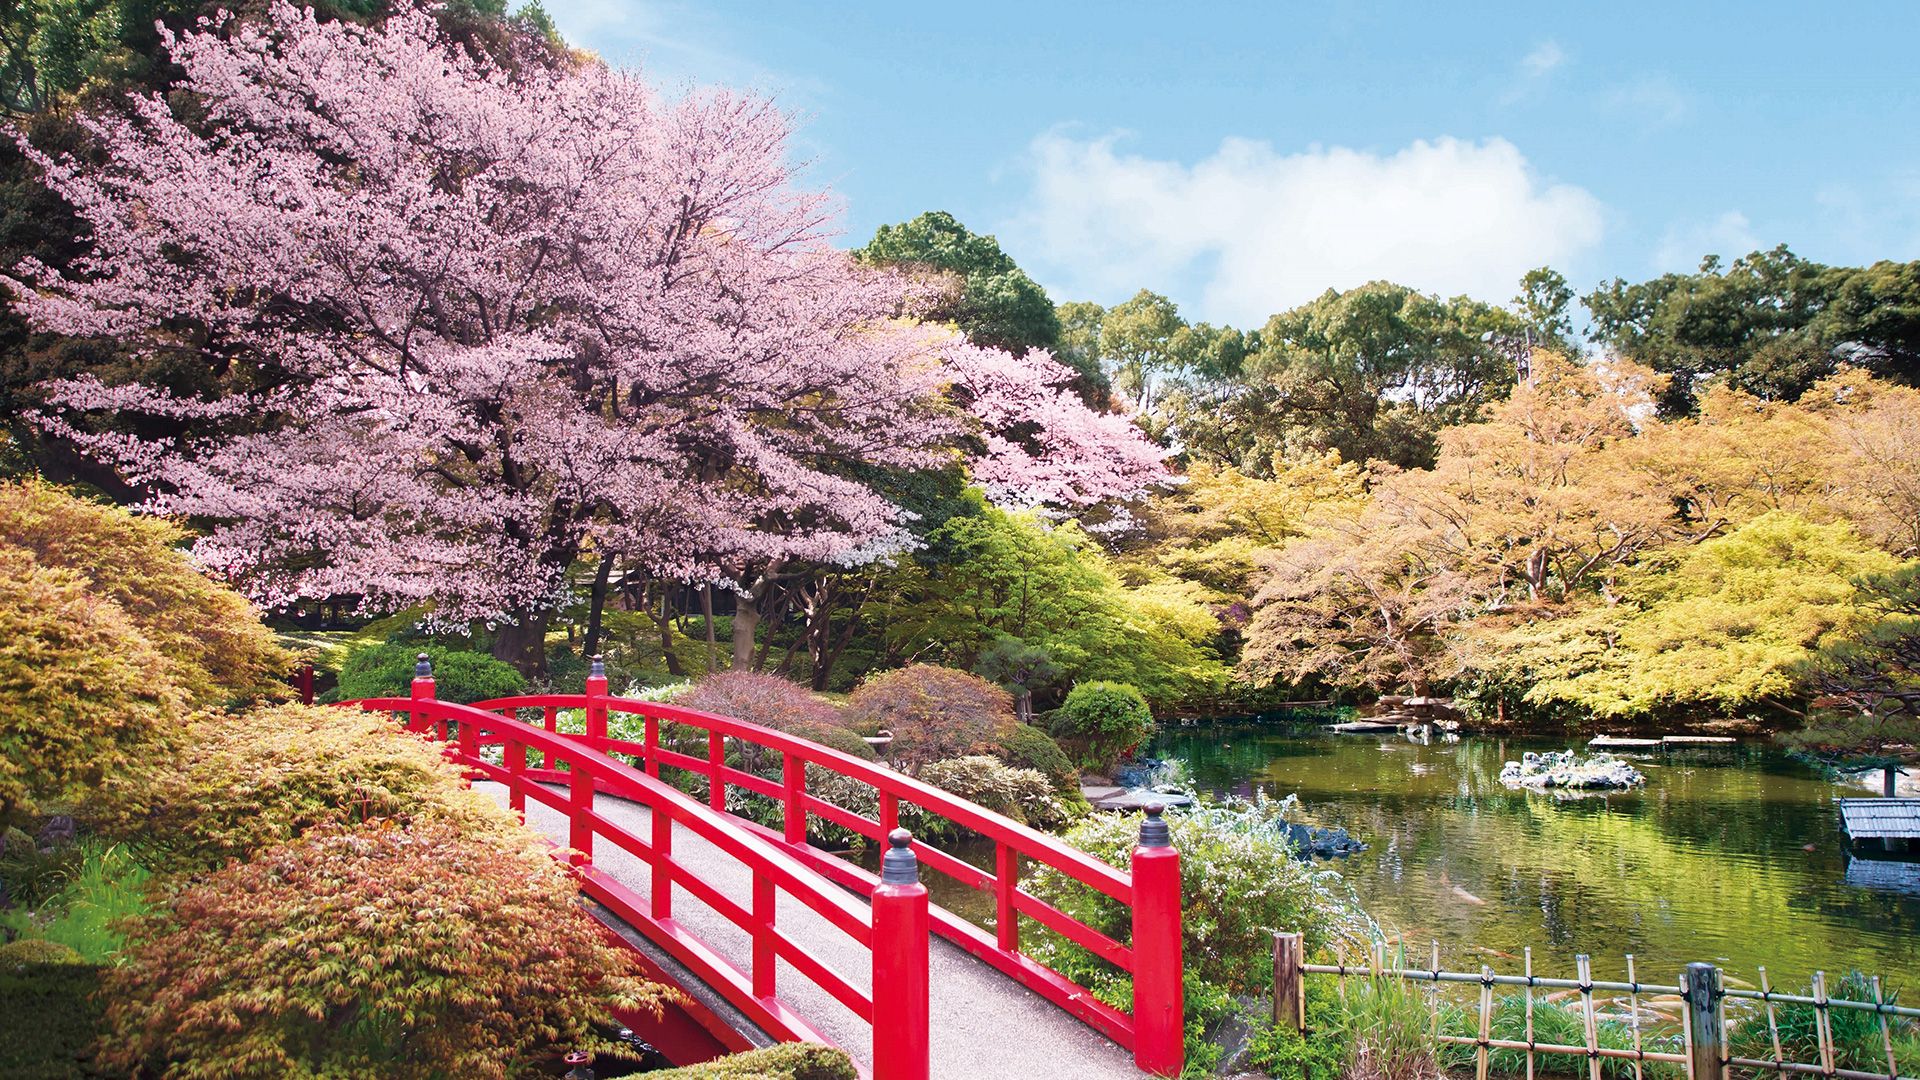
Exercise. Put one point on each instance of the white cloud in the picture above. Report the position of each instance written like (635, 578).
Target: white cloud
(1653, 99)
(1544, 58)
(1683, 245)
(1257, 231)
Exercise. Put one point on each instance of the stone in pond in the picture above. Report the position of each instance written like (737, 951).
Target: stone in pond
(1563, 770)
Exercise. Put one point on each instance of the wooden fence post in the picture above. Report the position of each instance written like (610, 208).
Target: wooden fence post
(1289, 990)
(1159, 1022)
(1706, 1023)
(901, 1006)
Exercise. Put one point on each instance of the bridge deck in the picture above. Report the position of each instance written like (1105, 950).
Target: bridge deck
(985, 1025)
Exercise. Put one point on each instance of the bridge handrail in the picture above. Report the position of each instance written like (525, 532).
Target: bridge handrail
(771, 865)
(1038, 846)
(1153, 1031)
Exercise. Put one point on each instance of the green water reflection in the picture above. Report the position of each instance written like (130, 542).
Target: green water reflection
(1707, 862)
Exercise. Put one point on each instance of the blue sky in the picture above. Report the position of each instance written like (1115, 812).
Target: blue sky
(1240, 157)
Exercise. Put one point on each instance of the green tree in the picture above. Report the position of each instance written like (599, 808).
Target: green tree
(1545, 304)
(1771, 323)
(1376, 371)
(994, 301)
(997, 573)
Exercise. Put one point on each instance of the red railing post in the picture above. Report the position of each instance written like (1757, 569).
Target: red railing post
(421, 690)
(1159, 1025)
(303, 684)
(1006, 881)
(793, 812)
(901, 1050)
(597, 703)
(764, 962)
(580, 816)
(716, 777)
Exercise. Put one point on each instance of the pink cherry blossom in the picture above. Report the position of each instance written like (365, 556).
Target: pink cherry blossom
(478, 320)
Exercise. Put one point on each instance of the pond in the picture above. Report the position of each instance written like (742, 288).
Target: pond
(1732, 855)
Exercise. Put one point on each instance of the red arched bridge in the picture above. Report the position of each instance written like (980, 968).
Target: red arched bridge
(782, 936)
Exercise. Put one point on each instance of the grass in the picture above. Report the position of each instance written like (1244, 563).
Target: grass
(1857, 1041)
(106, 887)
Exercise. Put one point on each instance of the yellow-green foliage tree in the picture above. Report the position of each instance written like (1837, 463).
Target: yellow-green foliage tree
(82, 693)
(369, 951)
(1723, 625)
(213, 643)
(1050, 585)
(255, 780)
(1527, 507)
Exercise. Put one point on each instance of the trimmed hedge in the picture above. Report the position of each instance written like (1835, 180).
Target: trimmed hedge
(787, 1061)
(1110, 719)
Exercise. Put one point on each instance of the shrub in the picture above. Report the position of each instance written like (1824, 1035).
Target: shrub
(27, 952)
(82, 692)
(371, 951)
(787, 1061)
(210, 638)
(1027, 747)
(1239, 884)
(375, 671)
(1107, 719)
(266, 777)
(934, 713)
(1021, 794)
(1319, 1053)
(49, 1017)
(767, 700)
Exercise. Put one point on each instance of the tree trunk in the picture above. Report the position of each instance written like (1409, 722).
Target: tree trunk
(746, 620)
(597, 606)
(523, 643)
(1892, 783)
(1023, 705)
(706, 612)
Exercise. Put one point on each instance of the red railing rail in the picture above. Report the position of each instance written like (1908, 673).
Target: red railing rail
(893, 926)
(1153, 1031)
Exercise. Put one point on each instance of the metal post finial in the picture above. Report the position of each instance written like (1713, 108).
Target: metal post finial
(423, 667)
(599, 669)
(900, 866)
(1153, 830)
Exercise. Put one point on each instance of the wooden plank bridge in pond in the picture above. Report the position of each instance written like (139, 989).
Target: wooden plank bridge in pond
(777, 939)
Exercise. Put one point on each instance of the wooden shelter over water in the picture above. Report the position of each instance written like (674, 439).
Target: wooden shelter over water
(1891, 821)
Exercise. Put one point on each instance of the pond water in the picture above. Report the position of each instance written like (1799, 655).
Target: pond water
(1709, 861)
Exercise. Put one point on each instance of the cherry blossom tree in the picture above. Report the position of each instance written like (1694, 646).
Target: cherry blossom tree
(473, 320)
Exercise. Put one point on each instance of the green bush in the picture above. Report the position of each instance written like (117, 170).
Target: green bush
(1107, 719)
(387, 671)
(787, 1061)
(1027, 747)
(1021, 794)
(49, 1020)
(1319, 1053)
(1239, 884)
(26, 952)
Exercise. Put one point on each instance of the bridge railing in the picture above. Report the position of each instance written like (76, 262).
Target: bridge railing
(1153, 1031)
(893, 927)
